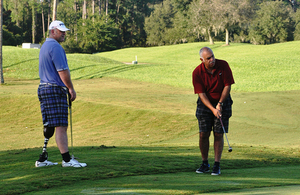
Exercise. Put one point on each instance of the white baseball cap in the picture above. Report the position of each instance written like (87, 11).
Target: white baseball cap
(59, 25)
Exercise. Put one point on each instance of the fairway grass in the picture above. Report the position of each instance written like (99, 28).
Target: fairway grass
(147, 113)
(137, 134)
(255, 68)
(274, 67)
(135, 125)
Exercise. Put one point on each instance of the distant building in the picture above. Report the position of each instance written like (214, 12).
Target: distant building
(31, 46)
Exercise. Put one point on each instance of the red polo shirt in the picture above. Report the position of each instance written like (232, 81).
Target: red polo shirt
(212, 84)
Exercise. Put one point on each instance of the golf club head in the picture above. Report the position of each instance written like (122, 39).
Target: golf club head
(230, 149)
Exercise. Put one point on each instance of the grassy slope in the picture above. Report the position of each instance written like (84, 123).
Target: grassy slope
(158, 117)
(255, 68)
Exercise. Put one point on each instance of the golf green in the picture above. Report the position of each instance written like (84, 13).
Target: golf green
(231, 181)
(282, 190)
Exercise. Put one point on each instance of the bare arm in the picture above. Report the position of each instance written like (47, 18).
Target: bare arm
(224, 96)
(225, 93)
(218, 110)
(207, 103)
(66, 79)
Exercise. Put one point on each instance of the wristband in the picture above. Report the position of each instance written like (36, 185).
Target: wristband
(220, 103)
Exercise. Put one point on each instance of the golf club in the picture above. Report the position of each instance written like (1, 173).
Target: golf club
(70, 110)
(230, 148)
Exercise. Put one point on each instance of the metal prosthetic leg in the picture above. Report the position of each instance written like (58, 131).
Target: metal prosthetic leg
(48, 133)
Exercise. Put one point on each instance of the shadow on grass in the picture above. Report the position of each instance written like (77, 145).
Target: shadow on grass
(15, 64)
(108, 71)
(18, 174)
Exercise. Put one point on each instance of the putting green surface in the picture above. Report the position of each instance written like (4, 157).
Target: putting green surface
(287, 190)
(264, 180)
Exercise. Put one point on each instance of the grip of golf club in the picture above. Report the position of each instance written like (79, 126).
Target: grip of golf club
(69, 99)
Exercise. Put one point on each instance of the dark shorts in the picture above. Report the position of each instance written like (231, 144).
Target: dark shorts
(54, 105)
(207, 120)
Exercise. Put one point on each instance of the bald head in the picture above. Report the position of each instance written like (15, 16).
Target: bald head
(204, 49)
(207, 57)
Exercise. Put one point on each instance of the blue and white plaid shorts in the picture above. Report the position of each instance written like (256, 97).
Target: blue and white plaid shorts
(54, 105)
(207, 120)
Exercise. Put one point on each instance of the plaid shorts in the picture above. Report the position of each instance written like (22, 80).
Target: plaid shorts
(207, 120)
(54, 105)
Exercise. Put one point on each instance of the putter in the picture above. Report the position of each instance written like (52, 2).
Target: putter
(70, 110)
(230, 148)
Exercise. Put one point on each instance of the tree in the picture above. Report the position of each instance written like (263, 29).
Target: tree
(181, 33)
(272, 23)
(17, 7)
(84, 10)
(33, 10)
(159, 23)
(106, 8)
(130, 16)
(204, 19)
(293, 4)
(93, 9)
(181, 5)
(43, 19)
(1, 21)
(233, 13)
(96, 36)
(54, 10)
(296, 18)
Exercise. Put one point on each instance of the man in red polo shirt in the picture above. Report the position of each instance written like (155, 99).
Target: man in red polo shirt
(212, 81)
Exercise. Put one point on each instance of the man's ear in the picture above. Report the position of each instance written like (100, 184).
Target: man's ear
(201, 59)
(52, 31)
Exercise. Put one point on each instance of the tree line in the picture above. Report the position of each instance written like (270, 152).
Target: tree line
(248, 21)
(103, 25)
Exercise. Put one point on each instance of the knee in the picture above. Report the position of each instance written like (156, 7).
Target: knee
(204, 135)
(48, 132)
(218, 135)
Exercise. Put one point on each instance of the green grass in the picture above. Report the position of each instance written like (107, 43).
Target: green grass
(189, 183)
(255, 67)
(134, 125)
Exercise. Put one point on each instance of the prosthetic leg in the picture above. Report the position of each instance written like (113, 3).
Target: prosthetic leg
(48, 133)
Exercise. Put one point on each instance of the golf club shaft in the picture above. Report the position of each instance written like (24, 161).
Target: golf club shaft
(224, 132)
(70, 110)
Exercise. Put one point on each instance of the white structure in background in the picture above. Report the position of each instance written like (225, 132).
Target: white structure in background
(135, 62)
(31, 46)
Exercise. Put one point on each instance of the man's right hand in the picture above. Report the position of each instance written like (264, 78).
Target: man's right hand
(217, 113)
(73, 94)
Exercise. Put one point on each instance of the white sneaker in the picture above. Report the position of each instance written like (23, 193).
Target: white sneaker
(43, 164)
(73, 163)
